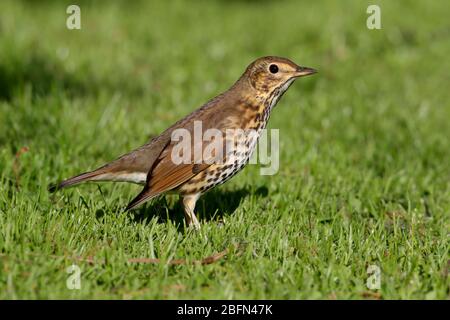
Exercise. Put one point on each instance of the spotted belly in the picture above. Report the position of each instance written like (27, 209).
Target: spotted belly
(217, 174)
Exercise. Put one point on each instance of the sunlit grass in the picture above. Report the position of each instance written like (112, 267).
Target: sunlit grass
(364, 165)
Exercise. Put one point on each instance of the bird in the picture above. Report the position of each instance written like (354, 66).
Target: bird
(244, 107)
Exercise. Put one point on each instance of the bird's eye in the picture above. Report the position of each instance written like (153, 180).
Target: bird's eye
(273, 68)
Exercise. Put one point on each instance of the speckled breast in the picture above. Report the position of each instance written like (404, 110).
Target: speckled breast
(258, 114)
(219, 173)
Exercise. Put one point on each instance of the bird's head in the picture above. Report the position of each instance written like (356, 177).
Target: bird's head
(270, 74)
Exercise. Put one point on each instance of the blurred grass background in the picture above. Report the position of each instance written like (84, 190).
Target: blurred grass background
(364, 165)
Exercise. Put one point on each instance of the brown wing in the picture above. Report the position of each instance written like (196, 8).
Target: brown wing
(166, 176)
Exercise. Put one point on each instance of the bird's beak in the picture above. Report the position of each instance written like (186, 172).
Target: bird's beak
(304, 71)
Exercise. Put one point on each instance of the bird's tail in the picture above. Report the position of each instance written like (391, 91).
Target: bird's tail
(87, 176)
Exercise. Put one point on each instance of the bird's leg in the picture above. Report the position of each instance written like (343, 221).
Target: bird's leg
(189, 205)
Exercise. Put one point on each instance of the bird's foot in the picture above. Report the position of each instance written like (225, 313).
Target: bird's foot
(193, 223)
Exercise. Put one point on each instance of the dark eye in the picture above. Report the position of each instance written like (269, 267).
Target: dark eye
(273, 68)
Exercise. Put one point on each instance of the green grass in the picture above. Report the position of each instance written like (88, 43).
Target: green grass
(364, 165)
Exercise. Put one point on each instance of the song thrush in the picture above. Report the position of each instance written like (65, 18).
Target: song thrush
(245, 106)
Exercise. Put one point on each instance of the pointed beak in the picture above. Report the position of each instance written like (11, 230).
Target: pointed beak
(304, 71)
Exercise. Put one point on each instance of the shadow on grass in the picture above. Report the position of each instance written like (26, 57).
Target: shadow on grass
(44, 75)
(213, 205)
(39, 72)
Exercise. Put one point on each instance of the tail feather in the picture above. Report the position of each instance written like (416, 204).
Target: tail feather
(74, 180)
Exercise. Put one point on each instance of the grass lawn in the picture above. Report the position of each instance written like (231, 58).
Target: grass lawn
(364, 173)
